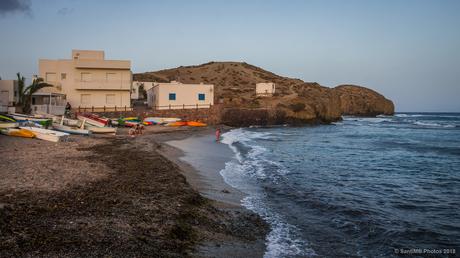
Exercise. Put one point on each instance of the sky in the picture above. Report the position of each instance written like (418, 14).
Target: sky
(408, 50)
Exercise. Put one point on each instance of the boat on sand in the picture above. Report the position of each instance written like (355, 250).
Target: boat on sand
(93, 119)
(178, 123)
(44, 121)
(8, 125)
(18, 132)
(196, 124)
(71, 130)
(47, 135)
(107, 130)
(162, 120)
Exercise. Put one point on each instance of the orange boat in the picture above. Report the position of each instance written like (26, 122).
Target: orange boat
(178, 123)
(196, 124)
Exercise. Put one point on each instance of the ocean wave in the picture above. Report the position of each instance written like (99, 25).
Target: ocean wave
(244, 174)
(284, 239)
(367, 119)
(432, 124)
(453, 115)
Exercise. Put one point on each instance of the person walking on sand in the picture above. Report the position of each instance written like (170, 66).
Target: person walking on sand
(218, 134)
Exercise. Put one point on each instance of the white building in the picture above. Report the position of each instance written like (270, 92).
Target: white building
(176, 95)
(265, 89)
(9, 95)
(88, 80)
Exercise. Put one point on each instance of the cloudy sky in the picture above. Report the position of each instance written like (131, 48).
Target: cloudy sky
(407, 50)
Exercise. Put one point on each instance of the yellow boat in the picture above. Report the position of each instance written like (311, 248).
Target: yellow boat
(18, 132)
(196, 124)
(131, 118)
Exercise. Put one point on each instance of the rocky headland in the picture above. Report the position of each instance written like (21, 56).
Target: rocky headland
(295, 101)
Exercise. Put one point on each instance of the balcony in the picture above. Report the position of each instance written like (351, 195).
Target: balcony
(103, 85)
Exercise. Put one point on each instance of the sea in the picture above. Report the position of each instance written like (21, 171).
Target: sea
(362, 187)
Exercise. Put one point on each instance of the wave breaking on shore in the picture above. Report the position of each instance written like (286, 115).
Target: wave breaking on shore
(247, 172)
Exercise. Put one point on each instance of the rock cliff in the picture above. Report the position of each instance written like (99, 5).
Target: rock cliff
(295, 101)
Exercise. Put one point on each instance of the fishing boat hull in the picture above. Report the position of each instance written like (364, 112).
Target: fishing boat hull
(70, 130)
(47, 135)
(102, 130)
(91, 121)
(18, 132)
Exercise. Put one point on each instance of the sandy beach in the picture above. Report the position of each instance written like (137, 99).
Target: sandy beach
(120, 196)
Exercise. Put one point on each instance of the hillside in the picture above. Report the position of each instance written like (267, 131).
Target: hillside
(295, 100)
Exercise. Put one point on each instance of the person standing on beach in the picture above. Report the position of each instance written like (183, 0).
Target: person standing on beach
(68, 108)
(218, 134)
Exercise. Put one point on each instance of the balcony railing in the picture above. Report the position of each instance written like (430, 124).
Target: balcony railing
(103, 85)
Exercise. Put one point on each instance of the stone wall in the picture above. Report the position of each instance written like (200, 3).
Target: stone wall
(210, 116)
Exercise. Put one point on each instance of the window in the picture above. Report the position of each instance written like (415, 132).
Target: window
(172, 96)
(63, 76)
(110, 99)
(86, 77)
(112, 77)
(201, 96)
(50, 77)
(85, 99)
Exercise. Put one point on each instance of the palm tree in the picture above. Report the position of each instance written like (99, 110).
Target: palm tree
(26, 94)
(21, 84)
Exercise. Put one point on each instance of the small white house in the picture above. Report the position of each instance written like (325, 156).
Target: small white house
(265, 89)
(9, 95)
(176, 95)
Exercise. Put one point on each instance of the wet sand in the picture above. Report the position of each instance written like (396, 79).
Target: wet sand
(115, 196)
(206, 157)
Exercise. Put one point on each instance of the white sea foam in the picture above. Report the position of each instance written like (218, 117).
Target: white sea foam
(244, 173)
(432, 124)
(367, 119)
(283, 239)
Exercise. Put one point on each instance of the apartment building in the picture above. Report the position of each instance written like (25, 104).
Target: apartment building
(88, 80)
(9, 95)
(176, 95)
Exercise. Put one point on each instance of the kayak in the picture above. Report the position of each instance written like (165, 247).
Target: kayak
(178, 123)
(95, 129)
(18, 132)
(161, 120)
(196, 124)
(7, 118)
(25, 118)
(8, 125)
(131, 123)
(131, 118)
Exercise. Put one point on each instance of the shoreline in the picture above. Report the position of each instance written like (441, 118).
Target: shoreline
(201, 159)
(112, 196)
(179, 148)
